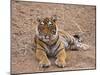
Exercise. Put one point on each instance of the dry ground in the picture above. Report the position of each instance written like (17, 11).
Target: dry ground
(24, 15)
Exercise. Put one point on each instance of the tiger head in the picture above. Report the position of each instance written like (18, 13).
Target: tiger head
(47, 28)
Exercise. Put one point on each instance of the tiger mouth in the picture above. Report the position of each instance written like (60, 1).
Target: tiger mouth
(47, 38)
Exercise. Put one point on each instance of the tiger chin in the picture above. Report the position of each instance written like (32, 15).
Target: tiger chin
(50, 42)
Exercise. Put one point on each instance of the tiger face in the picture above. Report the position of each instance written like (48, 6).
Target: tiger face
(47, 28)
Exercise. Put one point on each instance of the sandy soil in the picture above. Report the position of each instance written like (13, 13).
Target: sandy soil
(24, 15)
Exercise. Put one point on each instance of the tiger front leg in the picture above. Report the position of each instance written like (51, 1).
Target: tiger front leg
(61, 59)
(43, 59)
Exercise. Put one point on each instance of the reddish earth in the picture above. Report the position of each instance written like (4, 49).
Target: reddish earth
(24, 15)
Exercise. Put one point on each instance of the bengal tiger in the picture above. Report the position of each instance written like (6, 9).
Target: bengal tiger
(50, 41)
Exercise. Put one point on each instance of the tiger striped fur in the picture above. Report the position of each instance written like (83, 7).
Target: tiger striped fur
(50, 41)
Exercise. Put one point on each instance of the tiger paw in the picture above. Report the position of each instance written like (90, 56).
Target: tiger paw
(60, 63)
(84, 47)
(45, 63)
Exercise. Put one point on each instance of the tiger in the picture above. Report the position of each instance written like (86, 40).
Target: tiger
(53, 42)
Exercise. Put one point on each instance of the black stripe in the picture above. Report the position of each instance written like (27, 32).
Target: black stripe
(56, 51)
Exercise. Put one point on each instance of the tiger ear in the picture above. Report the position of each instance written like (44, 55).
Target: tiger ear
(39, 19)
(54, 18)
